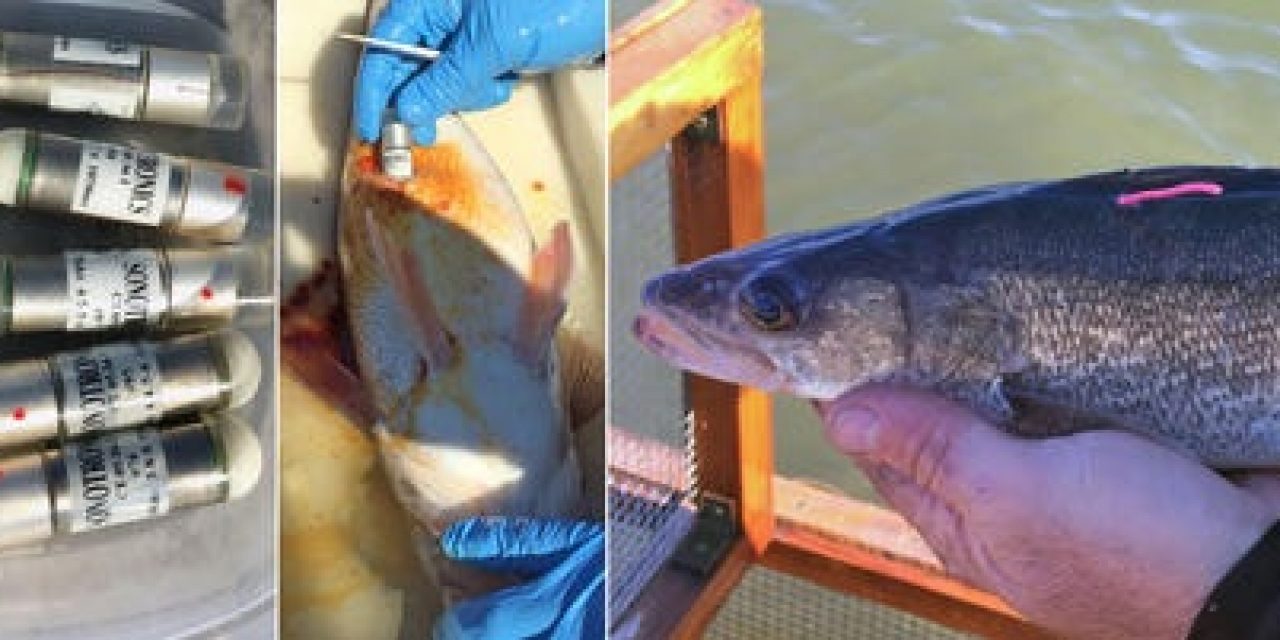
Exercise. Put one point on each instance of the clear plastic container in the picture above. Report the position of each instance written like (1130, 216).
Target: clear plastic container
(202, 572)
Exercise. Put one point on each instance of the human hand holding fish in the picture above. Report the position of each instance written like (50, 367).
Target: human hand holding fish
(1134, 560)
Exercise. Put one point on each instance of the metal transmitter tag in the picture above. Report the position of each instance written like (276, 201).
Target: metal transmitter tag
(121, 183)
(109, 387)
(114, 289)
(115, 479)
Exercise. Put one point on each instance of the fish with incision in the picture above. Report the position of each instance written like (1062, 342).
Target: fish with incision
(1142, 300)
(454, 313)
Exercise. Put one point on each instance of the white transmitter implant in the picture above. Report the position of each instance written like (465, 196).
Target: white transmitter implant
(125, 384)
(125, 476)
(194, 198)
(98, 290)
(122, 80)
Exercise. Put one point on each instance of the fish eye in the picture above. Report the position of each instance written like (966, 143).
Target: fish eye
(768, 305)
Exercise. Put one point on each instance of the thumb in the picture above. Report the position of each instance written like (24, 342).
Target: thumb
(922, 439)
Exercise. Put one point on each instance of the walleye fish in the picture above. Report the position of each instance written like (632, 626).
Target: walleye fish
(454, 315)
(1143, 300)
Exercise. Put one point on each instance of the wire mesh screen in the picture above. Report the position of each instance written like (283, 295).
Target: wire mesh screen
(649, 511)
(647, 395)
(771, 605)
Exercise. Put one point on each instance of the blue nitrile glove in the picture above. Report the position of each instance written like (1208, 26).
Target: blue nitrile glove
(483, 44)
(564, 562)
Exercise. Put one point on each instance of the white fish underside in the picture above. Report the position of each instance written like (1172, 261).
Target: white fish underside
(480, 429)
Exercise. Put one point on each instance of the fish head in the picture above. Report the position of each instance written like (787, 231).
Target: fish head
(797, 313)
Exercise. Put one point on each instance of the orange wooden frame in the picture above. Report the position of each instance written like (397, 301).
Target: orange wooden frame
(688, 73)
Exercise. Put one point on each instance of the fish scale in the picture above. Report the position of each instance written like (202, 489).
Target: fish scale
(1152, 357)
(1051, 307)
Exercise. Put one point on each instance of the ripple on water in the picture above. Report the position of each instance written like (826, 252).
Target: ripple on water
(872, 105)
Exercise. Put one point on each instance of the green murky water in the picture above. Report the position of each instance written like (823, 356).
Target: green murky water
(873, 105)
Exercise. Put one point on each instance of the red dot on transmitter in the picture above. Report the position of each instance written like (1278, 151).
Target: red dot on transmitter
(234, 185)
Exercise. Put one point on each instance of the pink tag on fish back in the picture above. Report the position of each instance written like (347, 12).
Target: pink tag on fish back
(1185, 189)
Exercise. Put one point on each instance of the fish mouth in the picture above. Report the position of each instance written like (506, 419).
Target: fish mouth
(664, 339)
(704, 352)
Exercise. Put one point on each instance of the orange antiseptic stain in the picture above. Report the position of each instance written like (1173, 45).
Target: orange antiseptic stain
(539, 186)
(366, 159)
(443, 182)
(444, 185)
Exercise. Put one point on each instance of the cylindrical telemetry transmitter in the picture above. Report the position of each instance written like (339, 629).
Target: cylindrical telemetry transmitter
(124, 184)
(123, 288)
(125, 476)
(126, 384)
(397, 151)
(123, 80)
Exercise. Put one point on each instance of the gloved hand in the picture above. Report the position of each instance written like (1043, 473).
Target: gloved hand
(483, 44)
(564, 597)
(1095, 535)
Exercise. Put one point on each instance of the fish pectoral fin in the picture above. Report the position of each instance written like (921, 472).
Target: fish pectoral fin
(426, 331)
(545, 299)
(1037, 415)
